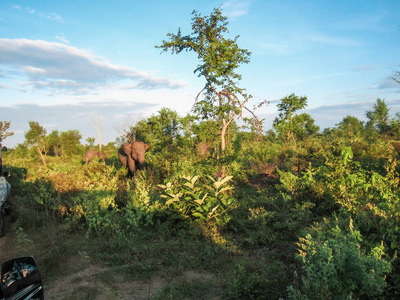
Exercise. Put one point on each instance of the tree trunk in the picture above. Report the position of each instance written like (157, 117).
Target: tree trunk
(42, 157)
(223, 132)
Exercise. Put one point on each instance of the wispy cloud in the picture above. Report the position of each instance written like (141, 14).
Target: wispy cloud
(61, 68)
(387, 83)
(31, 10)
(51, 16)
(62, 39)
(234, 9)
(365, 68)
(330, 40)
(275, 47)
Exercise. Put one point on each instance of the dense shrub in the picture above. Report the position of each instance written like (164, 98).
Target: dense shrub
(336, 266)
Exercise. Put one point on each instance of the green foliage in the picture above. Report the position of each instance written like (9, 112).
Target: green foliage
(90, 141)
(252, 284)
(4, 133)
(209, 201)
(379, 116)
(219, 58)
(160, 131)
(336, 266)
(350, 127)
(53, 140)
(35, 136)
(140, 211)
(70, 142)
(291, 126)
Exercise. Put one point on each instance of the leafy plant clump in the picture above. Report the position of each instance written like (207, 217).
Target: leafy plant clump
(209, 200)
(336, 266)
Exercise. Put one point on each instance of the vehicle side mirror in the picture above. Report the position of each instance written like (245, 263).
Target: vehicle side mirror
(20, 279)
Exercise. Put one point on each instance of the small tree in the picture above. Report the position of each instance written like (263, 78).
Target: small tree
(4, 133)
(350, 126)
(53, 140)
(70, 142)
(36, 137)
(219, 57)
(160, 130)
(378, 117)
(4, 126)
(90, 141)
(291, 126)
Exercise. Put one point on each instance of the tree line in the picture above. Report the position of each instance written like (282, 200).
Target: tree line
(166, 131)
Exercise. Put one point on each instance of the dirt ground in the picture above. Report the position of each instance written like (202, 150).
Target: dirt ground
(89, 282)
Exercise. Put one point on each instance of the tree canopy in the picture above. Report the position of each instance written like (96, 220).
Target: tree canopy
(4, 133)
(219, 57)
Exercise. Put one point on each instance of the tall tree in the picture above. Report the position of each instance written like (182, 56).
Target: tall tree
(36, 137)
(219, 58)
(4, 133)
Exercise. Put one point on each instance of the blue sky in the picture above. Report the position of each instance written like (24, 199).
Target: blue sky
(65, 63)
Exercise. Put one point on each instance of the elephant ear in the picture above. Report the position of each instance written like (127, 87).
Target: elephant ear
(127, 148)
(146, 147)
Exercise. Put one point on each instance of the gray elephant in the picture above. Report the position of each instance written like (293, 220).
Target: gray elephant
(93, 153)
(131, 156)
(202, 149)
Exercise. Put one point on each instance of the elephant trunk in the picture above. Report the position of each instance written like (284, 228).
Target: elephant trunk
(141, 163)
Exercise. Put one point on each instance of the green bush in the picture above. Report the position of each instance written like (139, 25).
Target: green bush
(336, 266)
(204, 201)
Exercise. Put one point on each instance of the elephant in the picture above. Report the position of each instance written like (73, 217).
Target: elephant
(93, 153)
(131, 156)
(202, 149)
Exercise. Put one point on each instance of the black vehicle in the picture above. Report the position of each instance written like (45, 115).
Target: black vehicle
(20, 280)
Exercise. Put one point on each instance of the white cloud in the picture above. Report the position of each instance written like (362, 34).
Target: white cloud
(60, 68)
(233, 9)
(62, 39)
